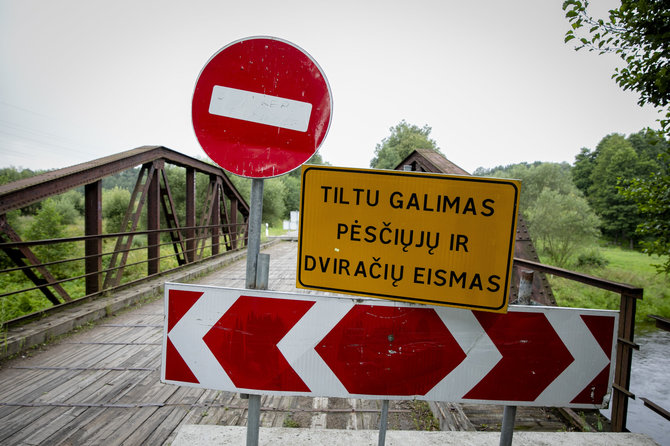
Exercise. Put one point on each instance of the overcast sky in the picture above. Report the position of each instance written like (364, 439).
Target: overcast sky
(82, 79)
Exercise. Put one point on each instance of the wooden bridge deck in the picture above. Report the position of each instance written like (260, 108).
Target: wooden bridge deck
(102, 385)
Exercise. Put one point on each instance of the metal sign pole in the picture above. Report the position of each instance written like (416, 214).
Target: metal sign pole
(254, 235)
(383, 422)
(253, 249)
(507, 429)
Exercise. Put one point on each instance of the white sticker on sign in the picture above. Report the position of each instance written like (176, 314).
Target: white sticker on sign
(260, 108)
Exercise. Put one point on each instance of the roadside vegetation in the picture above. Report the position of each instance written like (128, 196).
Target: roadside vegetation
(568, 209)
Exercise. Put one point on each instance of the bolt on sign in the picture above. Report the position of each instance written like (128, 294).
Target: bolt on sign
(409, 236)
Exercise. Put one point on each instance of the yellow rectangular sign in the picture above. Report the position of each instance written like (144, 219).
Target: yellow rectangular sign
(409, 236)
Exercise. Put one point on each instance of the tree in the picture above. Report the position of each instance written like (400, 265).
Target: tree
(114, 205)
(560, 219)
(48, 224)
(638, 31)
(403, 140)
(599, 173)
(562, 223)
(534, 179)
(651, 195)
(616, 159)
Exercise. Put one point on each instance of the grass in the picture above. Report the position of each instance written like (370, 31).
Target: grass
(624, 266)
(28, 302)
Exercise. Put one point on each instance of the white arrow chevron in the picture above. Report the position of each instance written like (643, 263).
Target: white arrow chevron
(298, 346)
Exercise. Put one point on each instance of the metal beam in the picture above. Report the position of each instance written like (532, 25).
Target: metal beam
(21, 193)
(93, 226)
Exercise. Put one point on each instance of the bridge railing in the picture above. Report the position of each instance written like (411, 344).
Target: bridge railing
(625, 336)
(170, 239)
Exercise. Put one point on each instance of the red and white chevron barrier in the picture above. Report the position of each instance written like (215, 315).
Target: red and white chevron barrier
(296, 344)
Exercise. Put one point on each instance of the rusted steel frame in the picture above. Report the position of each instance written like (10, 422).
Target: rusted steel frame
(656, 408)
(242, 208)
(154, 219)
(16, 256)
(216, 217)
(225, 221)
(82, 276)
(9, 246)
(661, 322)
(624, 359)
(21, 193)
(583, 278)
(132, 216)
(190, 214)
(93, 227)
(24, 252)
(625, 338)
(233, 231)
(53, 241)
(48, 310)
(206, 217)
(170, 212)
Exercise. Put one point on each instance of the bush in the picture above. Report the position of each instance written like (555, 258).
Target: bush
(114, 206)
(591, 259)
(70, 206)
(48, 224)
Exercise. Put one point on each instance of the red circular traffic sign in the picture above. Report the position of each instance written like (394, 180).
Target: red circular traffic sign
(261, 107)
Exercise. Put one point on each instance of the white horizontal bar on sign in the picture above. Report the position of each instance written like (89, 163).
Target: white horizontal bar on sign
(260, 108)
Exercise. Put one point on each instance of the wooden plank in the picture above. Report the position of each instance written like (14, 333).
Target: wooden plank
(100, 428)
(115, 386)
(167, 431)
(18, 419)
(69, 388)
(145, 430)
(46, 380)
(64, 416)
(451, 416)
(75, 428)
(132, 424)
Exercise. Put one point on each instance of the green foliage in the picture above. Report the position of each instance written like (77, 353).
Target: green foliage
(638, 31)
(404, 139)
(114, 206)
(274, 207)
(9, 174)
(48, 224)
(651, 195)
(423, 417)
(70, 206)
(559, 218)
(122, 180)
(534, 179)
(591, 259)
(562, 223)
(624, 266)
(292, 194)
(289, 421)
(616, 158)
(615, 161)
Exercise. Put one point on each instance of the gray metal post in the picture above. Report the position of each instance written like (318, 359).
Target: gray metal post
(254, 241)
(253, 420)
(525, 287)
(507, 429)
(383, 422)
(262, 271)
(253, 248)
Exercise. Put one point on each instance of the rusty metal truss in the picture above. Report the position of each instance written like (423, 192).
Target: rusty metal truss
(225, 217)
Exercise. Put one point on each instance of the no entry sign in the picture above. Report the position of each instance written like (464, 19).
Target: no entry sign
(261, 107)
(425, 238)
(269, 342)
